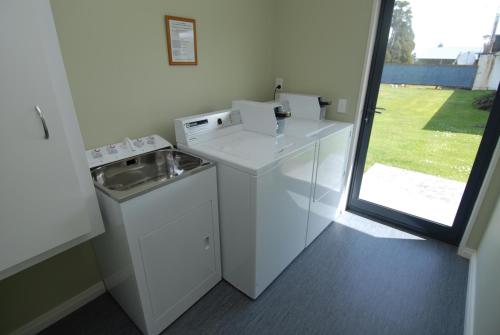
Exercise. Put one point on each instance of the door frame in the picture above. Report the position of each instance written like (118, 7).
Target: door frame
(404, 220)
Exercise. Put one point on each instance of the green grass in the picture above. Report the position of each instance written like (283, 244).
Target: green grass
(427, 130)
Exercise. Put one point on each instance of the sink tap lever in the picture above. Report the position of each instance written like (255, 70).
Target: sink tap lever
(127, 142)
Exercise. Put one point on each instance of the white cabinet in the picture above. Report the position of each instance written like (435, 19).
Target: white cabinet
(161, 249)
(328, 181)
(180, 254)
(47, 200)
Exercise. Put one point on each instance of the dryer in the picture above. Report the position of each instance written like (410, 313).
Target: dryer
(332, 144)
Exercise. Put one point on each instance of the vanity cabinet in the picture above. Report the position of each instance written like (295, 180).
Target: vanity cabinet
(161, 249)
(47, 199)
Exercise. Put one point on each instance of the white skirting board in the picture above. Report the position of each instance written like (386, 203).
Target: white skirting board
(471, 296)
(466, 252)
(57, 313)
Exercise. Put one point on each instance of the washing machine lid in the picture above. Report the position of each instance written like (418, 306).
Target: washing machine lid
(251, 152)
(311, 128)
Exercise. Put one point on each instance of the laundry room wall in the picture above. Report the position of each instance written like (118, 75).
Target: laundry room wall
(116, 60)
(492, 192)
(485, 302)
(36, 290)
(320, 49)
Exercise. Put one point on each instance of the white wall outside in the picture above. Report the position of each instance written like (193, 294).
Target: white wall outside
(488, 72)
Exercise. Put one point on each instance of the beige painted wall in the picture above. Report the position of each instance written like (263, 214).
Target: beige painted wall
(486, 209)
(320, 48)
(116, 60)
(115, 56)
(34, 291)
(486, 305)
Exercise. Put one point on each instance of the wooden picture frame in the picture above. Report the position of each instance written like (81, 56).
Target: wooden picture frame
(181, 40)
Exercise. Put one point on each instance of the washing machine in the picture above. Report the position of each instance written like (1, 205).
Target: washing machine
(264, 184)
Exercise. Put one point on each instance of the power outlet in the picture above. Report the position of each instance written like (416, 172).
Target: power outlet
(342, 106)
(278, 82)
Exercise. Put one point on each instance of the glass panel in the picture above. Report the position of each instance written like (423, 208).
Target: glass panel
(438, 83)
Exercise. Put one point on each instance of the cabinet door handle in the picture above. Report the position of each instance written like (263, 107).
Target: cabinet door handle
(44, 124)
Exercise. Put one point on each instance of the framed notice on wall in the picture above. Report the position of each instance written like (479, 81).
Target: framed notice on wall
(181, 41)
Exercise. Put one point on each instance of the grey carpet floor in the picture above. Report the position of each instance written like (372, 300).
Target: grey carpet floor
(359, 278)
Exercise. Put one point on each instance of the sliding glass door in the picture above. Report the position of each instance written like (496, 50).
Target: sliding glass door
(431, 116)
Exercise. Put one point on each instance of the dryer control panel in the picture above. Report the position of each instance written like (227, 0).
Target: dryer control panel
(193, 129)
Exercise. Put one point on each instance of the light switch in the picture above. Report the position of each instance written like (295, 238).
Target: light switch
(342, 106)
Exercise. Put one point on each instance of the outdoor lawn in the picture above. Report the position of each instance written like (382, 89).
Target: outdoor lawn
(427, 130)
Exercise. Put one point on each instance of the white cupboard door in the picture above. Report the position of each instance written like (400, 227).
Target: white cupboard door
(179, 257)
(41, 203)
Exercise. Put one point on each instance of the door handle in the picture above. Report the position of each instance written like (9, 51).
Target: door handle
(44, 124)
(376, 110)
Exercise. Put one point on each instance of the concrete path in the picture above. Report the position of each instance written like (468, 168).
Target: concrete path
(430, 197)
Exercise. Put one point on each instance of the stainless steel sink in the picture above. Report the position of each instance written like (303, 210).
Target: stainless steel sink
(131, 177)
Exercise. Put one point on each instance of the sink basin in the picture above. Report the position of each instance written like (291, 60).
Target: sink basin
(131, 177)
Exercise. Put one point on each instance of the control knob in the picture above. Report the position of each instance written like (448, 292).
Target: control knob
(96, 153)
(112, 149)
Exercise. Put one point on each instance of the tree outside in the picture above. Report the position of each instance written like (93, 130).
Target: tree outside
(402, 38)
